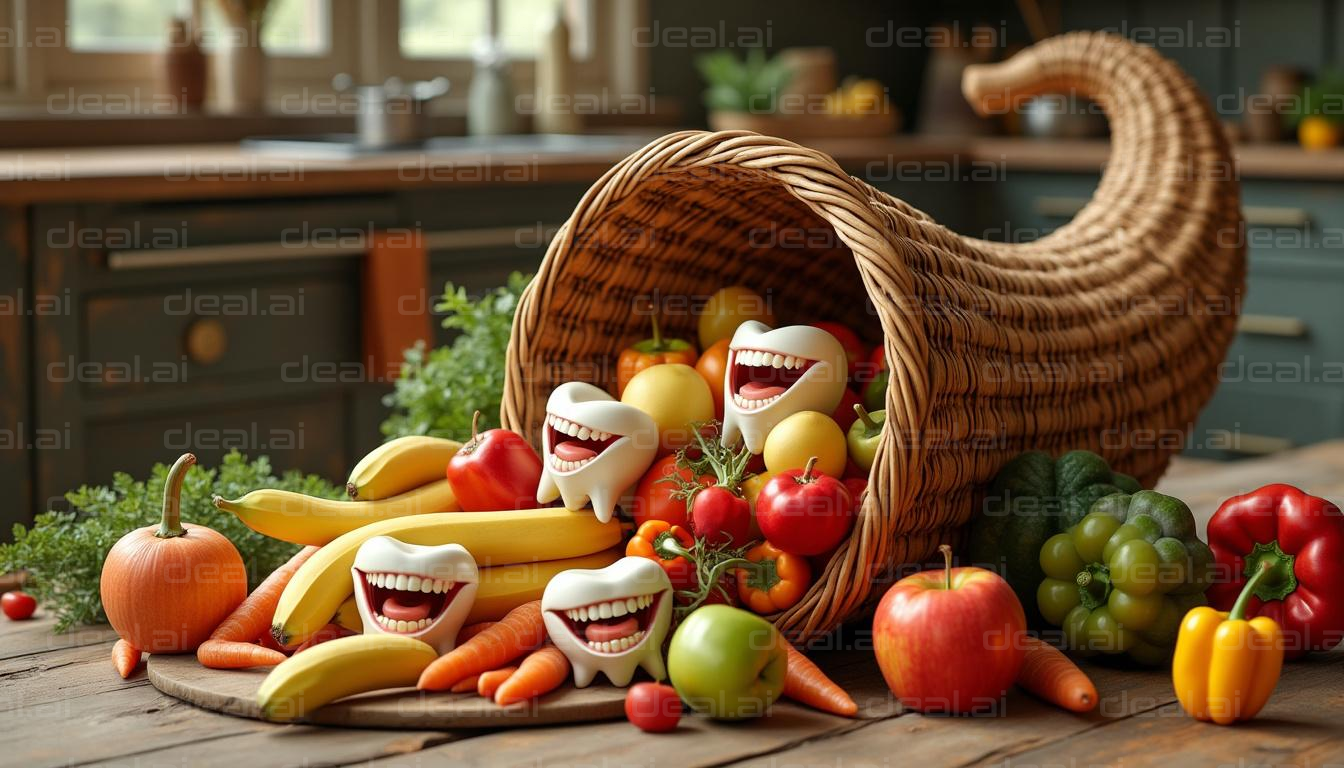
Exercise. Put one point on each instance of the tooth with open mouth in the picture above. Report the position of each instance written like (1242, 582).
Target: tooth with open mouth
(773, 374)
(594, 447)
(610, 620)
(416, 591)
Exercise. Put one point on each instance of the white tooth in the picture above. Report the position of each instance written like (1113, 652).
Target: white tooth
(606, 647)
(618, 608)
(369, 576)
(426, 585)
(572, 430)
(631, 605)
(413, 584)
(403, 626)
(424, 622)
(440, 585)
(777, 361)
(587, 613)
(401, 581)
(604, 436)
(383, 620)
(585, 433)
(604, 611)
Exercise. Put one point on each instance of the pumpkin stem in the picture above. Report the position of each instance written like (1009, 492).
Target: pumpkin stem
(171, 525)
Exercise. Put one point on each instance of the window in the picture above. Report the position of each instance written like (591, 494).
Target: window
(292, 27)
(432, 29)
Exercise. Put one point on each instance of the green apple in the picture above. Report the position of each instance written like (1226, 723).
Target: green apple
(727, 663)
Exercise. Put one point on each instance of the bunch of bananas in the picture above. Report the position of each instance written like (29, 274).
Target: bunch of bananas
(400, 490)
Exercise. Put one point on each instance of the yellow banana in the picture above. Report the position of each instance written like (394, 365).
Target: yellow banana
(493, 538)
(348, 616)
(339, 668)
(400, 465)
(505, 587)
(301, 519)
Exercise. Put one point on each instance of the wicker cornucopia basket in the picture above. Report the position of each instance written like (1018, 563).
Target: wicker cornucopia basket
(1104, 335)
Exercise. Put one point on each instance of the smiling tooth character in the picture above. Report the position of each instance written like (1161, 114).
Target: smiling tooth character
(594, 447)
(773, 374)
(610, 620)
(416, 591)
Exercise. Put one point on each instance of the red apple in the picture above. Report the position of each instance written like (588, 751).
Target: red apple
(949, 640)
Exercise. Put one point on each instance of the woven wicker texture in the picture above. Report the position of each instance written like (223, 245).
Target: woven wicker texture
(1104, 335)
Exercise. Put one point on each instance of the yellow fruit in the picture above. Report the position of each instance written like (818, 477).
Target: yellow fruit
(751, 487)
(1316, 132)
(801, 436)
(674, 396)
(322, 583)
(307, 520)
(348, 615)
(506, 587)
(339, 668)
(728, 308)
(400, 465)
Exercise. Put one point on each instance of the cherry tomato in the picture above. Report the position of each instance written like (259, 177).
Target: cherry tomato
(721, 517)
(653, 496)
(653, 707)
(18, 605)
(804, 511)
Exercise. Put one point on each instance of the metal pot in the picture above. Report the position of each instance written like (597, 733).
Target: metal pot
(392, 113)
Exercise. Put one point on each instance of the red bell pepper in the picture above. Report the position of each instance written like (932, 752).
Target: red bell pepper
(1301, 537)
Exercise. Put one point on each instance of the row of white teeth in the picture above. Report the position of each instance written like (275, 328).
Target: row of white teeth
(752, 405)
(616, 646)
(396, 625)
(758, 359)
(568, 466)
(404, 583)
(574, 430)
(613, 609)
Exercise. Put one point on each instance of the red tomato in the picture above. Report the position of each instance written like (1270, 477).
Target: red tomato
(854, 349)
(875, 364)
(805, 514)
(18, 605)
(653, 707)
(721, 517)
(856, 486)
(496, 470)
(844, 414)
(653, 496)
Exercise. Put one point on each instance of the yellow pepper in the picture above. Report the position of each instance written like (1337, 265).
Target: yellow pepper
(1225, 667)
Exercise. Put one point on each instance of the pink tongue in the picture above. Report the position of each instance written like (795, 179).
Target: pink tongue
(406, 607)
(572, 451)
(603, 633)
(755, 391)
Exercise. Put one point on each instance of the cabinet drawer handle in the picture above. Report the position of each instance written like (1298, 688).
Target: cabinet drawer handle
(206, 341)
(1259, 445)
(1273, 325)
(1275, 216)
(241, 253)
(1059, 207)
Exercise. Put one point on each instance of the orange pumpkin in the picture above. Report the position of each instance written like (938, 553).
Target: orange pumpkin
(166, 587)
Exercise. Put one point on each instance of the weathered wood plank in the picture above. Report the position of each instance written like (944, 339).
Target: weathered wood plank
(25, 638)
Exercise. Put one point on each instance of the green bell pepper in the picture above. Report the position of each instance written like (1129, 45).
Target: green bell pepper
(1032, 498)
(1121, 579)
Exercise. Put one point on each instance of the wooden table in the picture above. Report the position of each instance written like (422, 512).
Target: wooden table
(61, 704)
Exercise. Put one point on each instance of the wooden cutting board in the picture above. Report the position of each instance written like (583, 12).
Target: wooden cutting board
(235, 691)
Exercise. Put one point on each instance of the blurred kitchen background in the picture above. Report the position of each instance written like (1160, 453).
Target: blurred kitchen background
(213, 210)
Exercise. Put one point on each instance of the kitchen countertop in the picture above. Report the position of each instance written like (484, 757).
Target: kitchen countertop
(228, 170)
(66, 706)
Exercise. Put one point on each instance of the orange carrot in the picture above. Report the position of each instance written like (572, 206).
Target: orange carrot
(471, 630)
(488, 682)
(805, 683)
(1052, 676)
(520, 631)
(235, 654)
(540, 673)
(465, 685)
(125, 658)
(253, 616)
(328, 632)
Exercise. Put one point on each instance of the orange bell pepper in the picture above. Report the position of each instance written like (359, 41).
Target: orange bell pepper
(778, 581)
(1225, 667)
(680, 570)
(650, 352)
